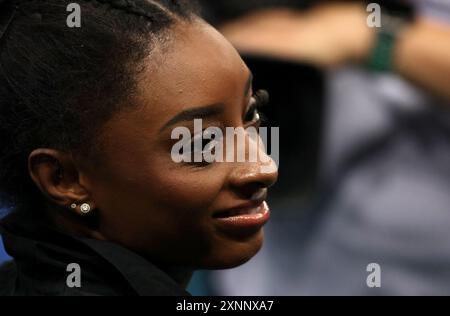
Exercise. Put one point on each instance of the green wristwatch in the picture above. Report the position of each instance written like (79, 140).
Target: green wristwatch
(393, 23)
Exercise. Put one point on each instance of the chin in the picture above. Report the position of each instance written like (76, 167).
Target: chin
(233, 253)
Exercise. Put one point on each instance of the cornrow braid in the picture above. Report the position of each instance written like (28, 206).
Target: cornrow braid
(54, 78)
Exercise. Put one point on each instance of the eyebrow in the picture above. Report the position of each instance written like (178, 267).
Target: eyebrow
(204, 111)
(196, 113)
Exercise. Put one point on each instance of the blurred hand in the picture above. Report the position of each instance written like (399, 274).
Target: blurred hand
(327, 35)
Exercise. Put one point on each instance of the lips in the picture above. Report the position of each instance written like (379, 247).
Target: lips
(243, 220)
(250, 211)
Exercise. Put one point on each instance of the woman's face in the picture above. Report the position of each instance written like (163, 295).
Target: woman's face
(180, 213)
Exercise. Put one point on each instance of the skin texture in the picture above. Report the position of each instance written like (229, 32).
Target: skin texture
(141, 198)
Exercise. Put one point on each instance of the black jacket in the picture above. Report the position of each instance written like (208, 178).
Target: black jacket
(42, 255)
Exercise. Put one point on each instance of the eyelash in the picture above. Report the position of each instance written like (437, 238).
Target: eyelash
(259, 100)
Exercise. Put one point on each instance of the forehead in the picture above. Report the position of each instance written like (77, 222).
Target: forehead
(198, 67)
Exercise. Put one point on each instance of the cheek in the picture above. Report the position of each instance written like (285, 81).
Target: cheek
(179, 186)
(152, 180)
(161, 203)
(189, 189)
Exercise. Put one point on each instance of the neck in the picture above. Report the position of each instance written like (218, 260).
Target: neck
(72, 226)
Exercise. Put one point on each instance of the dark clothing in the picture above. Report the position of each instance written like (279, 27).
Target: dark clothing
(42, 255)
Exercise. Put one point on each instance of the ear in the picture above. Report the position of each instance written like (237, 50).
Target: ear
(57, 177)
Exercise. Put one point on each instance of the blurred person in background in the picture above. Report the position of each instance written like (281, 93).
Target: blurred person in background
(384, 193)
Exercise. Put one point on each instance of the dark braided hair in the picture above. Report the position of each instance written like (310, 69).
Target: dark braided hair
(58, 85)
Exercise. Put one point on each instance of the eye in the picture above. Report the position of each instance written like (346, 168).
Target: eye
(258, 100)
(198, 145)
(252, 115)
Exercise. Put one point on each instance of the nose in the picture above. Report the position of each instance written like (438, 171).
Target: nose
(250, 180)
(251, 184)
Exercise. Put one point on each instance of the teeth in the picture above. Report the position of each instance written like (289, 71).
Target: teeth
(233, 213)
(241, 212)
(254, 210)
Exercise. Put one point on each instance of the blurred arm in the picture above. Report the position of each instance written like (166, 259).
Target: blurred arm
(335, 34)
(423, 56)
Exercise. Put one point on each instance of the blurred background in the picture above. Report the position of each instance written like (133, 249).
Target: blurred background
(364, 149)
(364, 156)
(3, 255)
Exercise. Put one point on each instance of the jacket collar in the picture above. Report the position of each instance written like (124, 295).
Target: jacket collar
(104, 264)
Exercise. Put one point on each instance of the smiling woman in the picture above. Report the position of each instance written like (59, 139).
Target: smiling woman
(85, 159)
